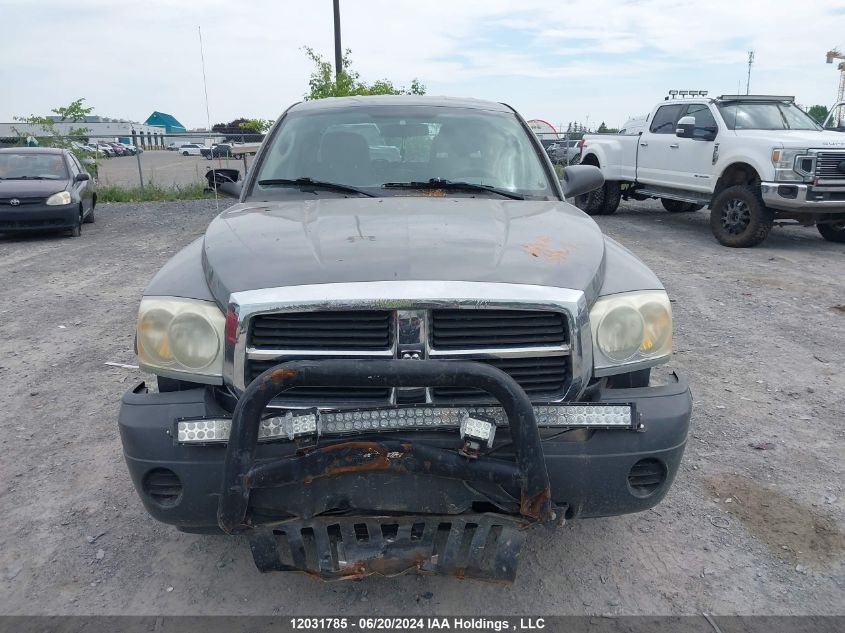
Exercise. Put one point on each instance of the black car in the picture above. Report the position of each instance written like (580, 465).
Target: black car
(44, 188)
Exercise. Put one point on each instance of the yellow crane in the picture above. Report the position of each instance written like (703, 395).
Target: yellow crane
(832, 54)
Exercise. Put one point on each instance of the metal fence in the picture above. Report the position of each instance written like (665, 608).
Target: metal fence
(161, 159)
(138, 160)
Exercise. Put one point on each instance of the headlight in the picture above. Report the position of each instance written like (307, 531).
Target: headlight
(181, 338)
(792, 164)
(633, 328)
(63, 197)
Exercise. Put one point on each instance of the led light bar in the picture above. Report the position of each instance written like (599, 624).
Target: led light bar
(201, 431)
(405, 418)
(218, 429)
(608, 416)
(411, 418)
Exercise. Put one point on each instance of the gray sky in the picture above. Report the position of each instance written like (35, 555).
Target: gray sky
(553, 59)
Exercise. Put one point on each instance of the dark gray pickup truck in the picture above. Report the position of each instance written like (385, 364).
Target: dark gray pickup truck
(400, 348)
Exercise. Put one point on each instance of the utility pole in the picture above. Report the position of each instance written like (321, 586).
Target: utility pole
(750, 61)
(338, 54)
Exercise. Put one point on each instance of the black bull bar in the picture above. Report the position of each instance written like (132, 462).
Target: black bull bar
(241, 474)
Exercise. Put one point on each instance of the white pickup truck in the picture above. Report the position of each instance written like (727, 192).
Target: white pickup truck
(754, 160)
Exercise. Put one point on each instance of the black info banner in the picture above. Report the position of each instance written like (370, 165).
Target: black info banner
(390, 624)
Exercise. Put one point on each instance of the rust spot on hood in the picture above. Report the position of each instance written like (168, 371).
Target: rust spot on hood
(541, 247)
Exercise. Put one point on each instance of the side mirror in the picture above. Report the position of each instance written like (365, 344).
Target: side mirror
(82, 177)
(581, 179)
(686, 127)
(225, 181)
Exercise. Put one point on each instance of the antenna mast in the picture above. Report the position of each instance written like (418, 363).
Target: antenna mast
(748, 82)
(208, 117)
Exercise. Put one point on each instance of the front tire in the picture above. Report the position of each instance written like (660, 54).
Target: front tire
(678, 206)
(185, 154)
(738, 217)
(90, 219)
(76, 230)
(834, 232)
(602, 201)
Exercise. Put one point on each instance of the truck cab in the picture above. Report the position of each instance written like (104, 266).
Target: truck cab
(753, 160)
(835, 121)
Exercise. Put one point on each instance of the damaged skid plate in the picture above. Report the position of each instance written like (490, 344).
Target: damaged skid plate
(480, 546)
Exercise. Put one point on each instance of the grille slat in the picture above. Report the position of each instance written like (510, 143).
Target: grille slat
(473, 329)
(827, 165)
(342, 330)
(537, 376)
(315, 395)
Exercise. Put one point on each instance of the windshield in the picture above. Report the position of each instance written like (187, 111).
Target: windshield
(369, 146)
(740, 115)
(836, 120)
(32, 166)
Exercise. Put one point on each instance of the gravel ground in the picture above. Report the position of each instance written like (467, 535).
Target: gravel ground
(754, 524)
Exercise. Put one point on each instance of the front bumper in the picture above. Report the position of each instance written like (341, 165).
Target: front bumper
(588, 469)
(390, 501)
(34, 217)
(803, 198)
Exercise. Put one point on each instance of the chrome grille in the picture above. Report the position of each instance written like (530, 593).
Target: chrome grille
(827, 165)
(532, 346)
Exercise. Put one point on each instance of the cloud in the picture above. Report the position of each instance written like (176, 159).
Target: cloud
(562, 59)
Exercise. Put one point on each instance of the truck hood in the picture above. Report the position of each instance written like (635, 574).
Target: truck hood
(330, 240)
(797, 139)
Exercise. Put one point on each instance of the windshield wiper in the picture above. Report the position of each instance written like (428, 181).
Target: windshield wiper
(439, 183)
(304, 183)
(31, 178)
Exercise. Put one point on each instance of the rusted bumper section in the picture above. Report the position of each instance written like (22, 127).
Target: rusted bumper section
(241, 474)
(481, 546)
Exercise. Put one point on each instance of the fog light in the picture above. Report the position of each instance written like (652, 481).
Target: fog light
(478, 430)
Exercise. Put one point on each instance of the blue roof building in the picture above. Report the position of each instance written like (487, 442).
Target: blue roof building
(167, 121)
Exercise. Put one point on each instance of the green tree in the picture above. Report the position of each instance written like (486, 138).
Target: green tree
(818, 112)
(46, 133)
(259, 126)
(323, 82)
(241, 128)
